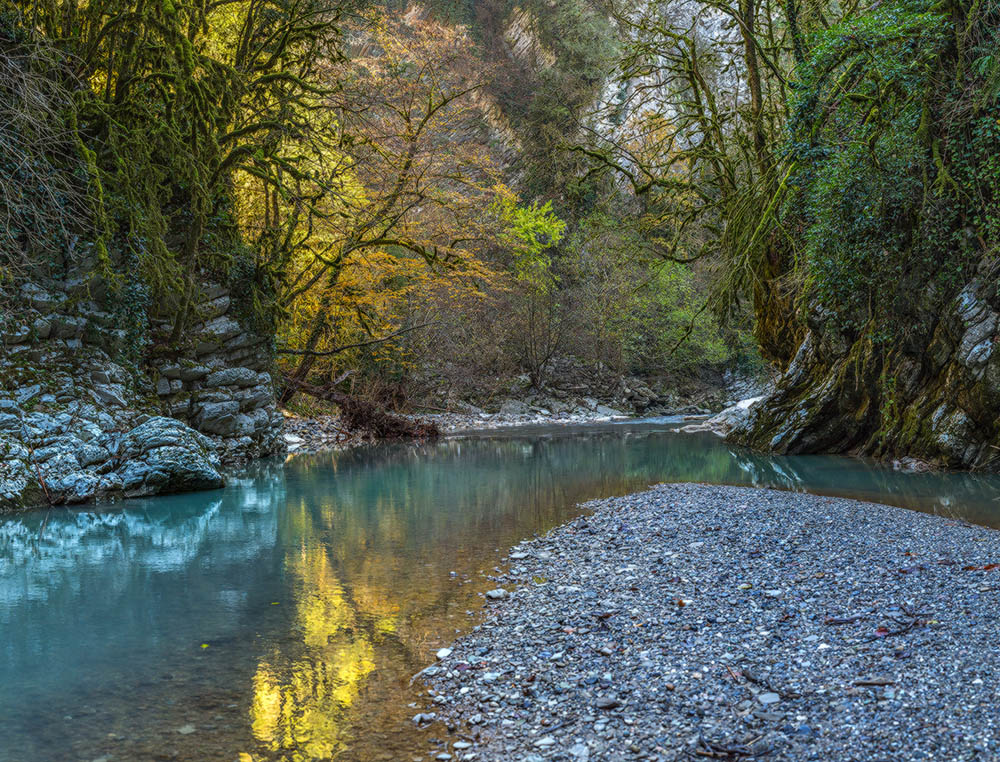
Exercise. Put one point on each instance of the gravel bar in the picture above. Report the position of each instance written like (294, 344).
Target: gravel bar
(701, 622)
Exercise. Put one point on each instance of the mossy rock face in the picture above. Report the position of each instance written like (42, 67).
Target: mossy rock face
(935, 400)
(19, 488)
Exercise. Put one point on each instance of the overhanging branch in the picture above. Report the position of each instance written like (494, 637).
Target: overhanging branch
(345, 347)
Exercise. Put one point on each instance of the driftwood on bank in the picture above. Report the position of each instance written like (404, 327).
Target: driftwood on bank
(366, 417)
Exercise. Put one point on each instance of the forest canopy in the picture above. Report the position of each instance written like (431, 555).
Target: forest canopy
(441, 195)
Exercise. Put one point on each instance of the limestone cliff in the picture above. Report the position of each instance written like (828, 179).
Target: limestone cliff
(934, 396)
(77, 425)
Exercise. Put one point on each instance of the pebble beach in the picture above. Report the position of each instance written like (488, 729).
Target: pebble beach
(704, 622)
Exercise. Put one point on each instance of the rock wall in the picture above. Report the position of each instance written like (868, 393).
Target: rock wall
(221, 385)
(932, 395)
(524, 42)
(75, 425)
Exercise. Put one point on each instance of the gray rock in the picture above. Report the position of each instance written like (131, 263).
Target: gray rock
(165, 455)
(111, 394)
(80, 486)
(193, 372)
(67, 327)
(515, 407)
(728, 420)
(217, 307)
(217, 418)
(610, 412)
(25, 394)
(39, 298)
(242, 377)
(16, 334)
(222, 328)
(89, 454)
(255, 397)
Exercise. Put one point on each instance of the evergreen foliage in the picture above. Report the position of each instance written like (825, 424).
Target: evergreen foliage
(895, 138)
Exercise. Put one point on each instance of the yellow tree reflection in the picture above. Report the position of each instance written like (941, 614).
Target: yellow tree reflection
(302, 691)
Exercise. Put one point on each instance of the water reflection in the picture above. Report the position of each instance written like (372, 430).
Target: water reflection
(281, 618)
(302, 691)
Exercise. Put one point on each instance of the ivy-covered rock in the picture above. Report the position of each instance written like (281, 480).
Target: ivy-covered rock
(894, 204)
(76, 426)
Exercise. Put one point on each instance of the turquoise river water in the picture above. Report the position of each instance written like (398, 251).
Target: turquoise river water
(282, 617)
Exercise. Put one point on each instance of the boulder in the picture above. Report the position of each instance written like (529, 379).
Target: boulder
(515, 407)
(78, 487)
(163, 455)
(608, 412)
(723, 423)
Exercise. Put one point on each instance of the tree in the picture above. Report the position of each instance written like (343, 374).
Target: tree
(695, 124)
(404, 191)
(174, 104)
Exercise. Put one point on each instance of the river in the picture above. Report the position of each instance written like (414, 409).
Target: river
(282, 617)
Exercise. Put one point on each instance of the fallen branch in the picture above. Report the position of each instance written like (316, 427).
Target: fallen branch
(717, 750)
(906, 625)
(844, 620)
(361, 415)
(764, 684)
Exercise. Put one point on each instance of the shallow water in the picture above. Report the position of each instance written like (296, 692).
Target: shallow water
(282, 617)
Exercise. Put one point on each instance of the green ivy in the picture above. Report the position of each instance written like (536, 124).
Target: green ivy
(894, 142)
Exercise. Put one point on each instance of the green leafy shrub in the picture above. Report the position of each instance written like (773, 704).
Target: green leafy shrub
(894, 148)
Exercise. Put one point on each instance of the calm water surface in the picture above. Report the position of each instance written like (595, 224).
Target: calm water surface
(282, 617)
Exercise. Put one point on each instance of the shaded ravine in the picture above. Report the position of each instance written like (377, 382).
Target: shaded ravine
(281, 618)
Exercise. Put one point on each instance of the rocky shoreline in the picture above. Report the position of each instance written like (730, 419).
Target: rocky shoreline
(326, 432)
(91, 411)
(81, 420)
(692, 621)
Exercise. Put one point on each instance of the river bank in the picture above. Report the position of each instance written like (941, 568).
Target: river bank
(327, 432)
(660, 627)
